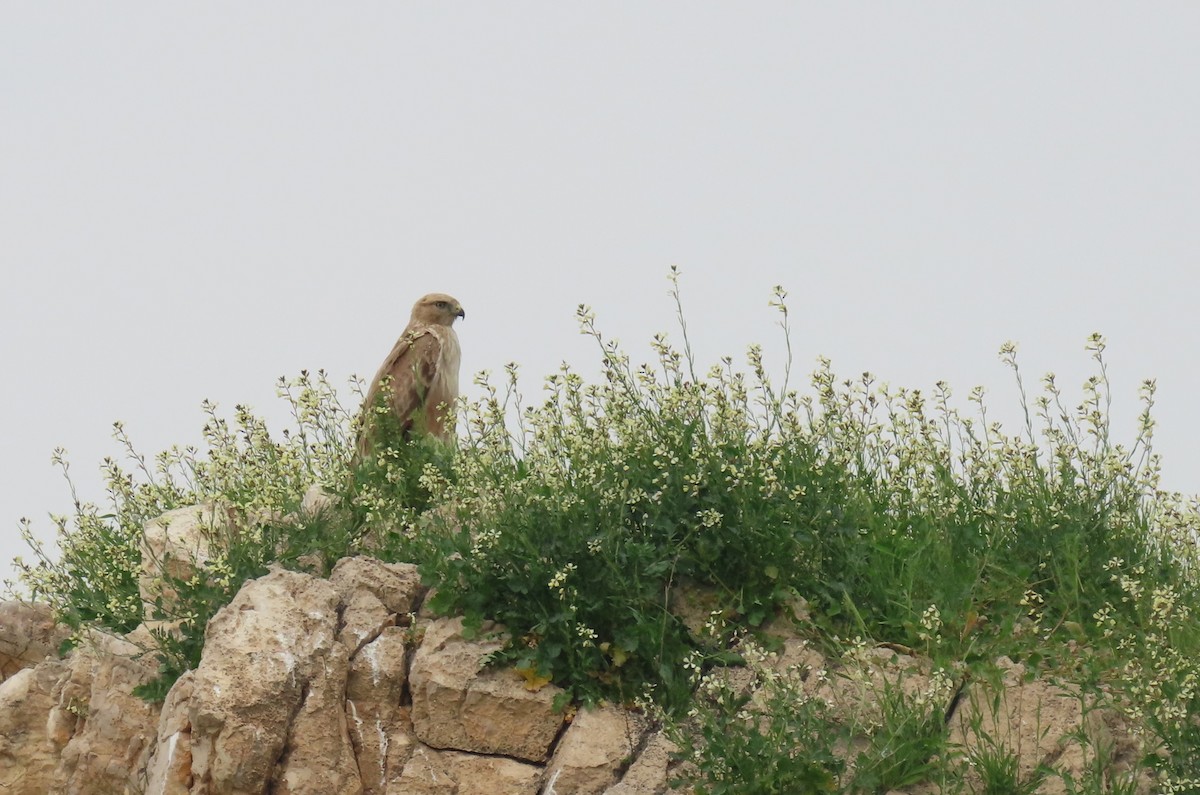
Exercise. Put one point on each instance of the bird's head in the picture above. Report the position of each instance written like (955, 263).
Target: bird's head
(437, 309)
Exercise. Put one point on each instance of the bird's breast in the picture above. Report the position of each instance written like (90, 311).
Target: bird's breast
(448, 364)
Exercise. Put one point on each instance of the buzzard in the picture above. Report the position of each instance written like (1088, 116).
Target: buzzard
(419, 379)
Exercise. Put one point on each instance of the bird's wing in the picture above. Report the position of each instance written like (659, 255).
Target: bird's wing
(412, 365)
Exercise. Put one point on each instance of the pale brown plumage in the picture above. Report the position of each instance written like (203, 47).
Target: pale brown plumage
(421, 373)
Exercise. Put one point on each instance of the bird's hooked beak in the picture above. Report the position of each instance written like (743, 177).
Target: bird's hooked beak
(461, 313)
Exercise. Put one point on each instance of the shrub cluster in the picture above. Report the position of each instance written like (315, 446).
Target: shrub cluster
(253, 481)
(582, 521)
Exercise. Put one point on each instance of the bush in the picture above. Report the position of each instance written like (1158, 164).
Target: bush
(253, 481)
(578, 523)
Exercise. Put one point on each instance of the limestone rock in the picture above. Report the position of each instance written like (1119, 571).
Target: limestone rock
(854, 690)
(375, 594)
(380, 728)
(1040, 722)
(114, 730)
(170, 768)
(694, 604)
(396, 585)
(174, 545)
(460, 705)
(27, 757)
(649, 773)
(74, 727)
(363, 618)
(592, 750)
(268, 657)
(316, 499)
(308, 686)
(799, 657)
(432, 772)
(319, 758)
(28, 635)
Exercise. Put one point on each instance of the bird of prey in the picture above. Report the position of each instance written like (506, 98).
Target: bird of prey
(419, 378)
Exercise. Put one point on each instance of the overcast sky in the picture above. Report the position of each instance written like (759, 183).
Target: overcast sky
(198, 198)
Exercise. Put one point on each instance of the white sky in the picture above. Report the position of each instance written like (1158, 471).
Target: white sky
(196, 199)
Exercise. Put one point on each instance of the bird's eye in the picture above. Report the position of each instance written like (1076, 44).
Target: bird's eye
(440, 304)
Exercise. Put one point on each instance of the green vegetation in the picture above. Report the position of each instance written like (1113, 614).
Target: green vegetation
(579, 521)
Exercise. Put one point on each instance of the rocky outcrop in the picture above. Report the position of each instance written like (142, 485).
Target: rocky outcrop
(459, 704)
(28, 758)
(74, 726)
(173, 546)
(308, 685)
(649, 771)
(376, 713)
(170, 768)
(593, 750)
(28, 635)
(342, 686)
(271, 659)
(1053, 725)
(433, 772)
(112, 731)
